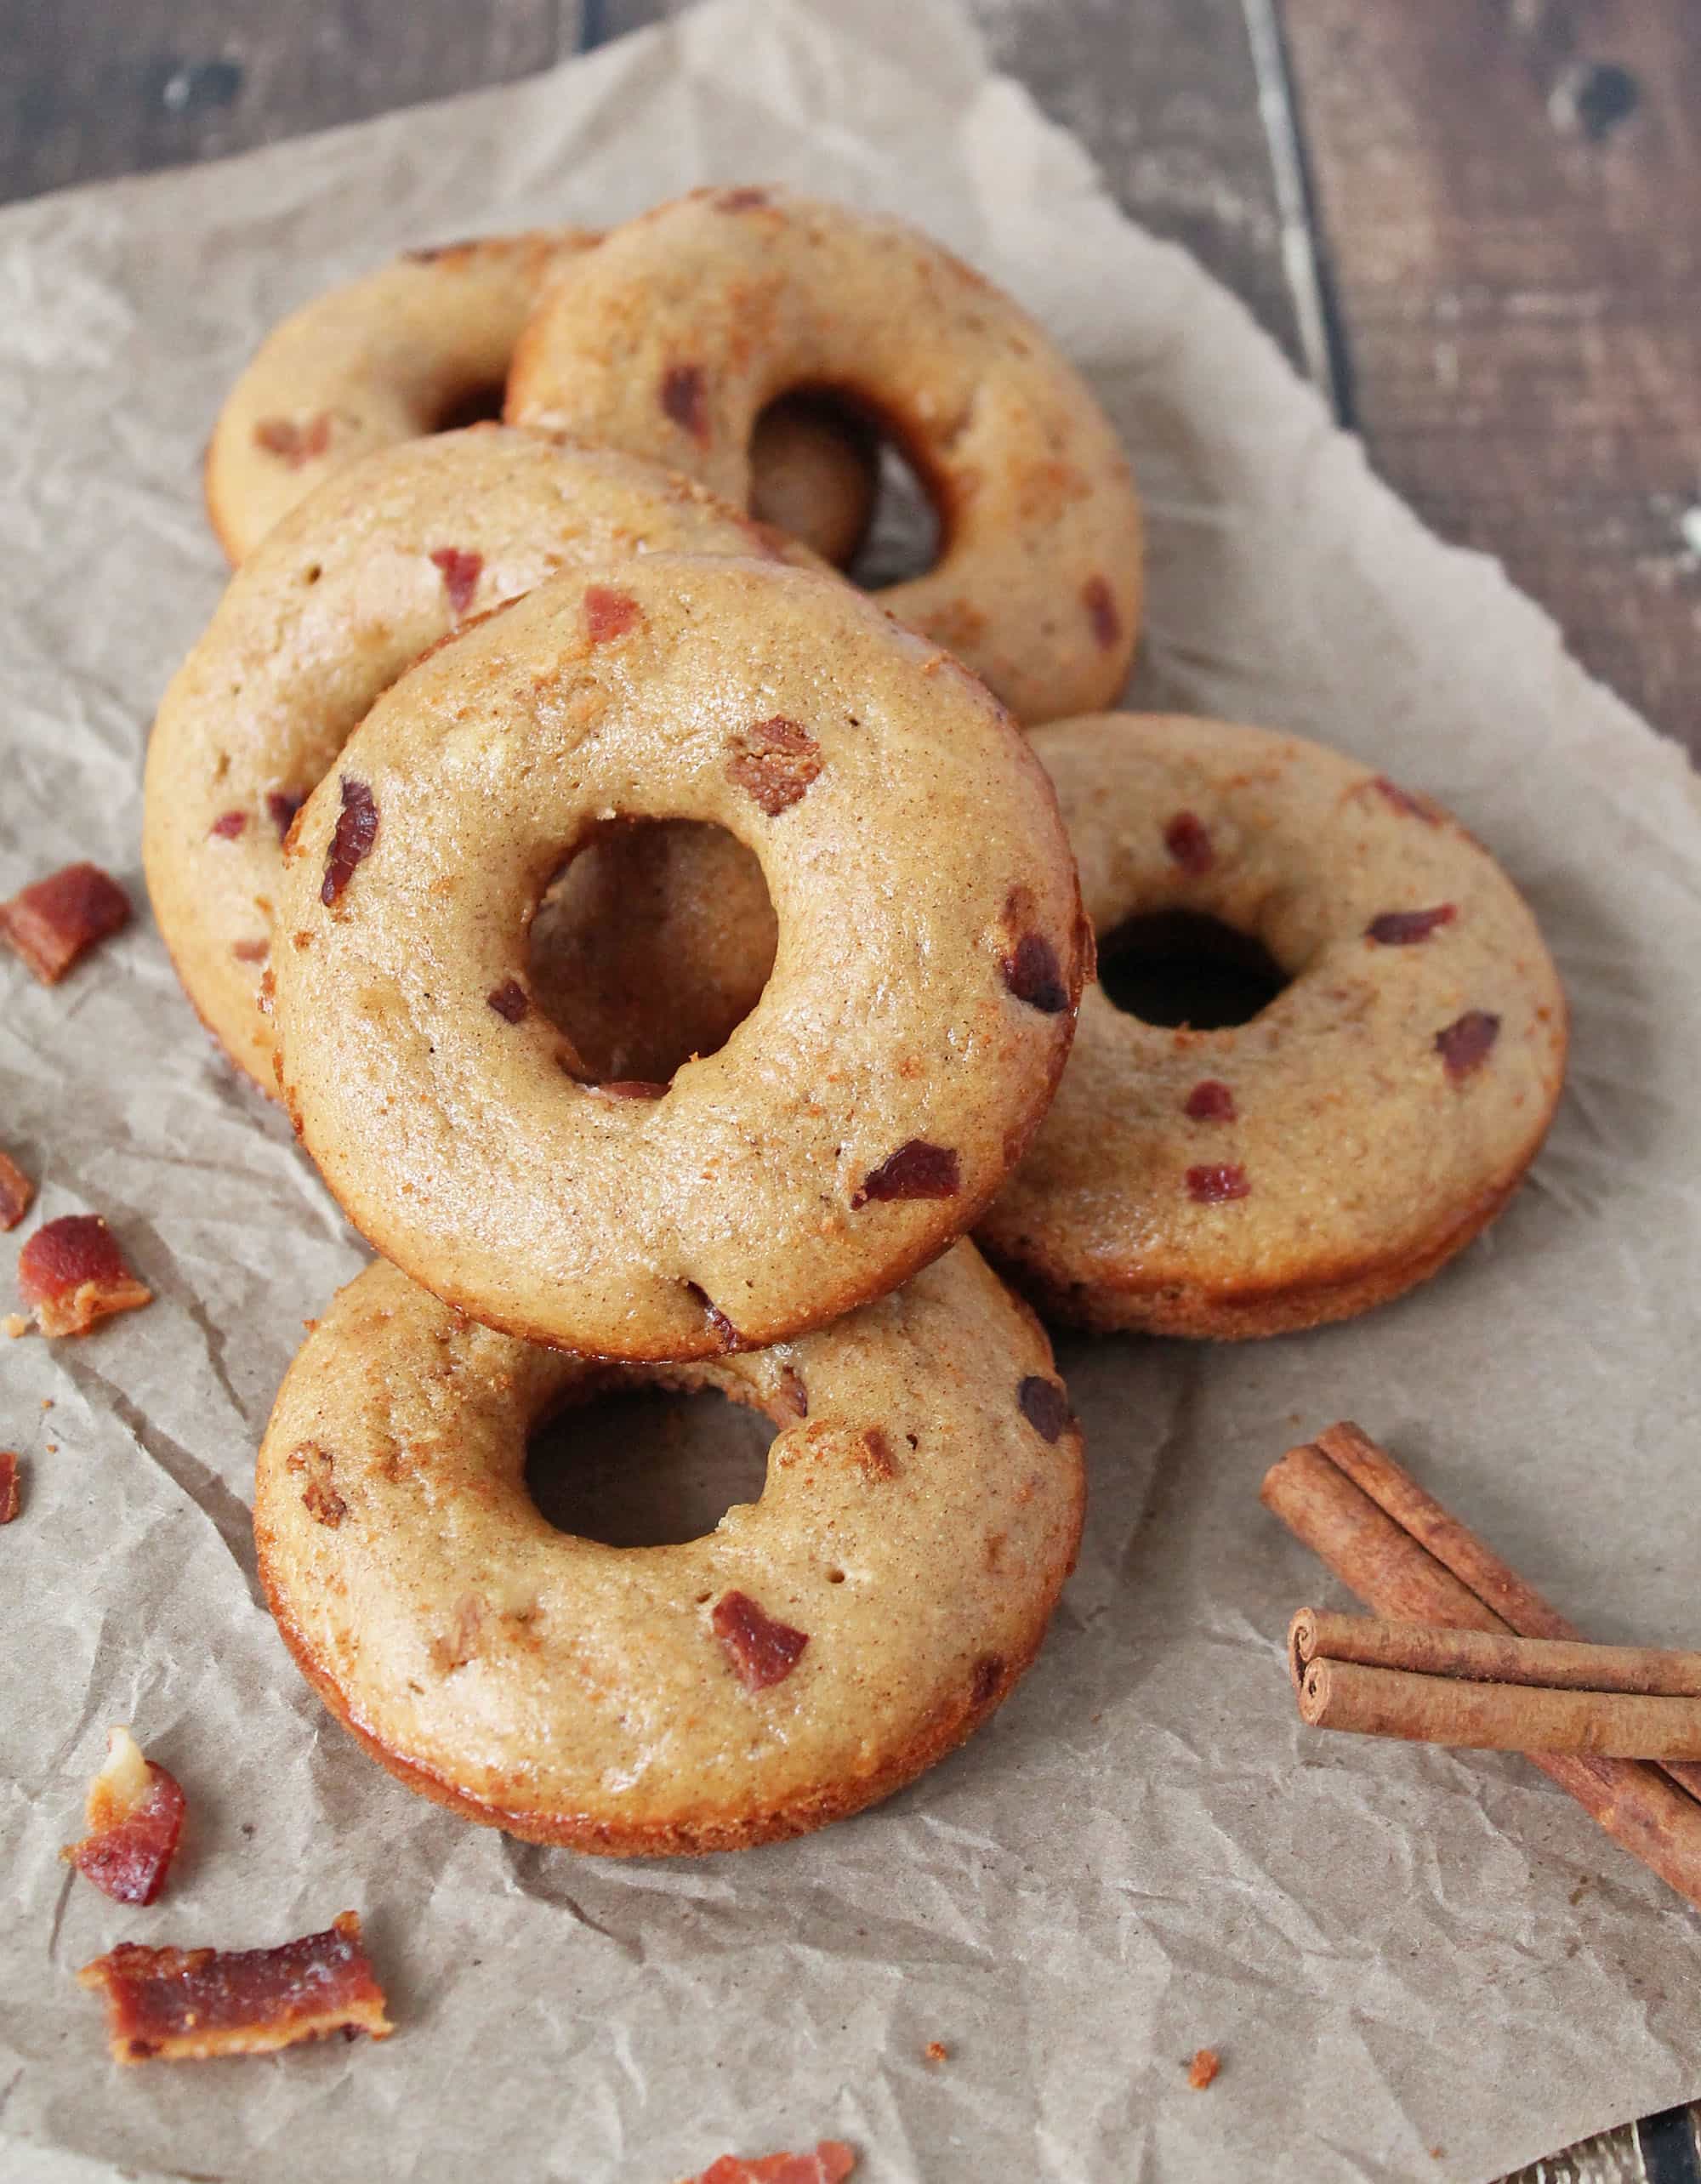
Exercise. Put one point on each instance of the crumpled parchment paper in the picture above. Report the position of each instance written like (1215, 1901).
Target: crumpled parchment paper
(1412, 1964)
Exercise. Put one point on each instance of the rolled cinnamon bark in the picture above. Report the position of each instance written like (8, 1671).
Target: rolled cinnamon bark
(1486, 1656)
(1497, 1717)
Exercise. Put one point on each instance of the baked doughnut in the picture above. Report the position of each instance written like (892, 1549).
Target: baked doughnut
(671, 338)
(387, 557)
(422, 345)
(1348, 1140)
(815, 1650)
(931, 954)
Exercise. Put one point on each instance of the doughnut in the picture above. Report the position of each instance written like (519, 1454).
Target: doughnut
(815, 1652)
(1350, 1138)
(671, 338)
(388, 556)
(930, 957)
(422, 344)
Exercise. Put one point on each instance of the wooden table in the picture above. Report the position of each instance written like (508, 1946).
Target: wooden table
(1476, 223)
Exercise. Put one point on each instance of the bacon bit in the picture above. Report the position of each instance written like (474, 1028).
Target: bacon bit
(281, 806)
(1396, 929)
(875, 1453)
(1464, 1045)
(461, 573)
(1189, 843)
(775, 762)
(916, 1170)
(685, 397)
(726, 1336)
(53, 922)
(1034, 975)
(134, 1815)
(831, 2163)
(16, 1192)
(630, 1088)
(935, 2051)
(793, 1393)
(746, 200)
(1204, 2068)
(1409, 806)
(251, 950)
(292, 443)
(1210, 1101)
(1215, 1185)
(72, 1273)
(319, 1497)
(190, 2004)
(1095, 597)
(762, 1651)
(609, 614)
(1044, 1404)
(228, 825)
(989, 1674)
(351, 843)
(10, 1496)
(509, 1000)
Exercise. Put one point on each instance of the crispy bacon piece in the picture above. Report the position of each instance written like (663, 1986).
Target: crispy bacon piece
(762, 1651)
(72, 1273)
(609, 614)
(189, 2005)
(1033, 974)
(831, 2163)
(1464, 1045)
(510, 1001)
(53, 922)
(1217, 1183)
(1095, 597)
(229, 824)
(916, 1170)
(774, 762)
(281, 806)
(135, 1813)
(1204, 2068)
(1188, 840)
(16, 1190)
(461, 572)
(1210, 1101)
(1398, 928)
(9, 1485)
(351, 843)
(1044, 1404)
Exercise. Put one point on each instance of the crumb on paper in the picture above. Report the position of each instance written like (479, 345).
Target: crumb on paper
(55, 921)
(72, 1272)
(9, 1485)
(1204, 2068)
(831, 2162)
(935, 2051)
(16, 1192)
(135, 1815)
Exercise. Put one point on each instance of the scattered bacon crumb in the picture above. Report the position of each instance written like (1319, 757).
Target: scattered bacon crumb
(1396, 929)
(916, 1170)
(1405, 802)
(935, 2051)
(1210, 1101)
(319, 1495)
(292, 443)
(609, 614)
(683, 395)
(53, 922)
(762, 1651)
(10, 1496)
(1044, 1404)
(509, 1000)
(281, 806)
(1034, 975)
(251, 950)
(1464, 1045)
(461, 573)
(189, 2005)
(228, 825)
(774, 762)
(134, 1815)
(1095, 597)
(72, 1273)
(351, 843)
(1204, 2068)
(1189, 842)
(1215, 1184)
(831, 2163)
(16, 1190)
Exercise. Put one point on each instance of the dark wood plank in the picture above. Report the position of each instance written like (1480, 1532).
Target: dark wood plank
(1509, 196)
(94, 88)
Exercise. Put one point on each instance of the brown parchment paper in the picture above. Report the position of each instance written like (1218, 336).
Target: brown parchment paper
(1413, 1964)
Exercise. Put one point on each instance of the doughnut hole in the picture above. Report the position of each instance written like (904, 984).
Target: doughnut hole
(480, 404)
(646, 1467)
(870, 509)
(651, 946)
(1185, 968)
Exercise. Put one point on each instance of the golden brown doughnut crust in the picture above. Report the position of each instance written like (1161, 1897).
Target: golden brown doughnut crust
(670, 340)
(923, 1508)
(1350, 1139)
(931, 954)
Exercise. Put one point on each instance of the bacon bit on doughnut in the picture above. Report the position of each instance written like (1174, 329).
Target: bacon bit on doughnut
(873, 1451)
(630, 1088)
(989, 1674)
(1396, 929)
(1095, 597)
(135, 1815)
(683, 395)
(746, 200)
(281, 806)
(190, 2004)
(16, 1190)
(10, 1496)
(793, 1393)
(1210, 1101)
(1189, 843)
(916, 1170)
(609, 614)
(251, 950)
(775, 762)
(831, 2163)
(1204, 2068)
(1410, 806)
(461, 573)
(72, 1273)
(228, 825)
(1044, 1404)
(54, 921)
(319, 1497)
(1464, 1045)
(1034, 975)
(509, 1000)
(1215, 1185)
(762, 1651)
(351, 843)
(292, 443)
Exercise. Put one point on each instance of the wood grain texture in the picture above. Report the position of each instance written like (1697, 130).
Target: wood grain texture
(1510, 199)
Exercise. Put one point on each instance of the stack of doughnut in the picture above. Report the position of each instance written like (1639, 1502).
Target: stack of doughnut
(670, 955)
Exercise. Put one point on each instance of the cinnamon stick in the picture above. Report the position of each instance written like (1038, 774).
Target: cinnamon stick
(1486, 1656)
(1497, 1717)
(1642, 1808)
